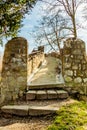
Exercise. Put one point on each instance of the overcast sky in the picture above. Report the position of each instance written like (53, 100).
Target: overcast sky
(31, 20)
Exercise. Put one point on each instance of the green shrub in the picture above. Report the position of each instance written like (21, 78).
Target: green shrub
(71, 117)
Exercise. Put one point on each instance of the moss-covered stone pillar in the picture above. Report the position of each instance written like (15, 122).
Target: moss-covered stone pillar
(14, 69)
(75, 64)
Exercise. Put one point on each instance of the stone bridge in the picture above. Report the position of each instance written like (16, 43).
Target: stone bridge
(18, 68)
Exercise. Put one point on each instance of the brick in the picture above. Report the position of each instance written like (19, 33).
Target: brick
(41, 94)
(52, 94)
(31, 95)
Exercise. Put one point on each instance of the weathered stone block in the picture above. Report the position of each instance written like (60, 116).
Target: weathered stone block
(75, 67)
(77, 52)
(52, 94)
(62, 94)
(38, 111)
(14, 71)
(69, 72)
(31, 95)
(16, 110)
(67, 65)
(78, 80)
(67, 78)
(41, 94)
(85, 80)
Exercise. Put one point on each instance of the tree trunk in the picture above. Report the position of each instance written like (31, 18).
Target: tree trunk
(74, 27)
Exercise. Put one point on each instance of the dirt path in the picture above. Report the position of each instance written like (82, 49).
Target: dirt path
(29, 123)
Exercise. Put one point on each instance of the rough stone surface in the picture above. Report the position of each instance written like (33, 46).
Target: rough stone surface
(45, 94)
(75, 64)
(62, 94)
(41, 94)
(14, 69)
(20, 110)
(85, 80)
(67, 78)
(52, 94)
(69, 72)
(78, 80)
(38, 111)
(31, 95)
(35, 59)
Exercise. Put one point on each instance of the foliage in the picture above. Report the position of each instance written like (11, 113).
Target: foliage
(58, 22)
(51, 30)
(71, 117)
(11, 15)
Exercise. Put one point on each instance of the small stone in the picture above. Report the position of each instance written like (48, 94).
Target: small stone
(69, 72)
(78, 80)
(67, 78)
(75, 67)
(41, 94)
(67, 65)
(62, 94)
(52, 94)
(31, 95)
(85, 80)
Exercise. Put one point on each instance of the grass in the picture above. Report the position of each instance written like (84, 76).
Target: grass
(71, 117)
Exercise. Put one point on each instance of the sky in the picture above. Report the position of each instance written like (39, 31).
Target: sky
(31, 20)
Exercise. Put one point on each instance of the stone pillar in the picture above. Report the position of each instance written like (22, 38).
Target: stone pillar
(14, 69)
(75, 64)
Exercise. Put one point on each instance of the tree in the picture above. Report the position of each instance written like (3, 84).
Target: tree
(70, 7)
(51, 31)
(60, 20)
(11, 14)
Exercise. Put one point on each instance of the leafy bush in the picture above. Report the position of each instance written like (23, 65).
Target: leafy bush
(71, 117)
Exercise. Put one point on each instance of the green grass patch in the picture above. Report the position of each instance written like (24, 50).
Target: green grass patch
(71, 117)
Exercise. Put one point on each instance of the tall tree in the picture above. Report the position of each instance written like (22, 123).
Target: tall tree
(70, 7)
(51, 31)
(11, 15)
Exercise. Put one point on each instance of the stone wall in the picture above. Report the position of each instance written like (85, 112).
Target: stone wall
(75, 65)
(14, 69)
(35, 59)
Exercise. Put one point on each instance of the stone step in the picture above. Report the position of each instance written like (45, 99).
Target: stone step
(45, 86)
(25, 110)
(35, 110)
(46, 94)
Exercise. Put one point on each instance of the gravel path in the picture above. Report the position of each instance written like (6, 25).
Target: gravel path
(29, 123)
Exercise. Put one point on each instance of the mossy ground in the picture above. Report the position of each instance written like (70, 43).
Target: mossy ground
(71, 117)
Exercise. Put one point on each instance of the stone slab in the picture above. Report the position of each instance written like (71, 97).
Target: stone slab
(41, 94)
(31, 95)
(28, 111)
(51, 94)
(38, 111)
(45, 86)
(20, 110)
(62, 94)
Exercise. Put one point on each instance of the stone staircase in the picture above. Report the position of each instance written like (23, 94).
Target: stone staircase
(39, 102)
(44, 94)
(46, 91)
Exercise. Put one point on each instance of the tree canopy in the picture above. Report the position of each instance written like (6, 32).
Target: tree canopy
(60, 21)
(11, 15)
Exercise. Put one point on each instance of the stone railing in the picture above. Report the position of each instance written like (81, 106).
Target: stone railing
(35, 59)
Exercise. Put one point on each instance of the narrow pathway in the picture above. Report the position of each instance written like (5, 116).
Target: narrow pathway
(47, 73)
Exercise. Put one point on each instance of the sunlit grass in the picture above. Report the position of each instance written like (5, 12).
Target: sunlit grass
(71, 117)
